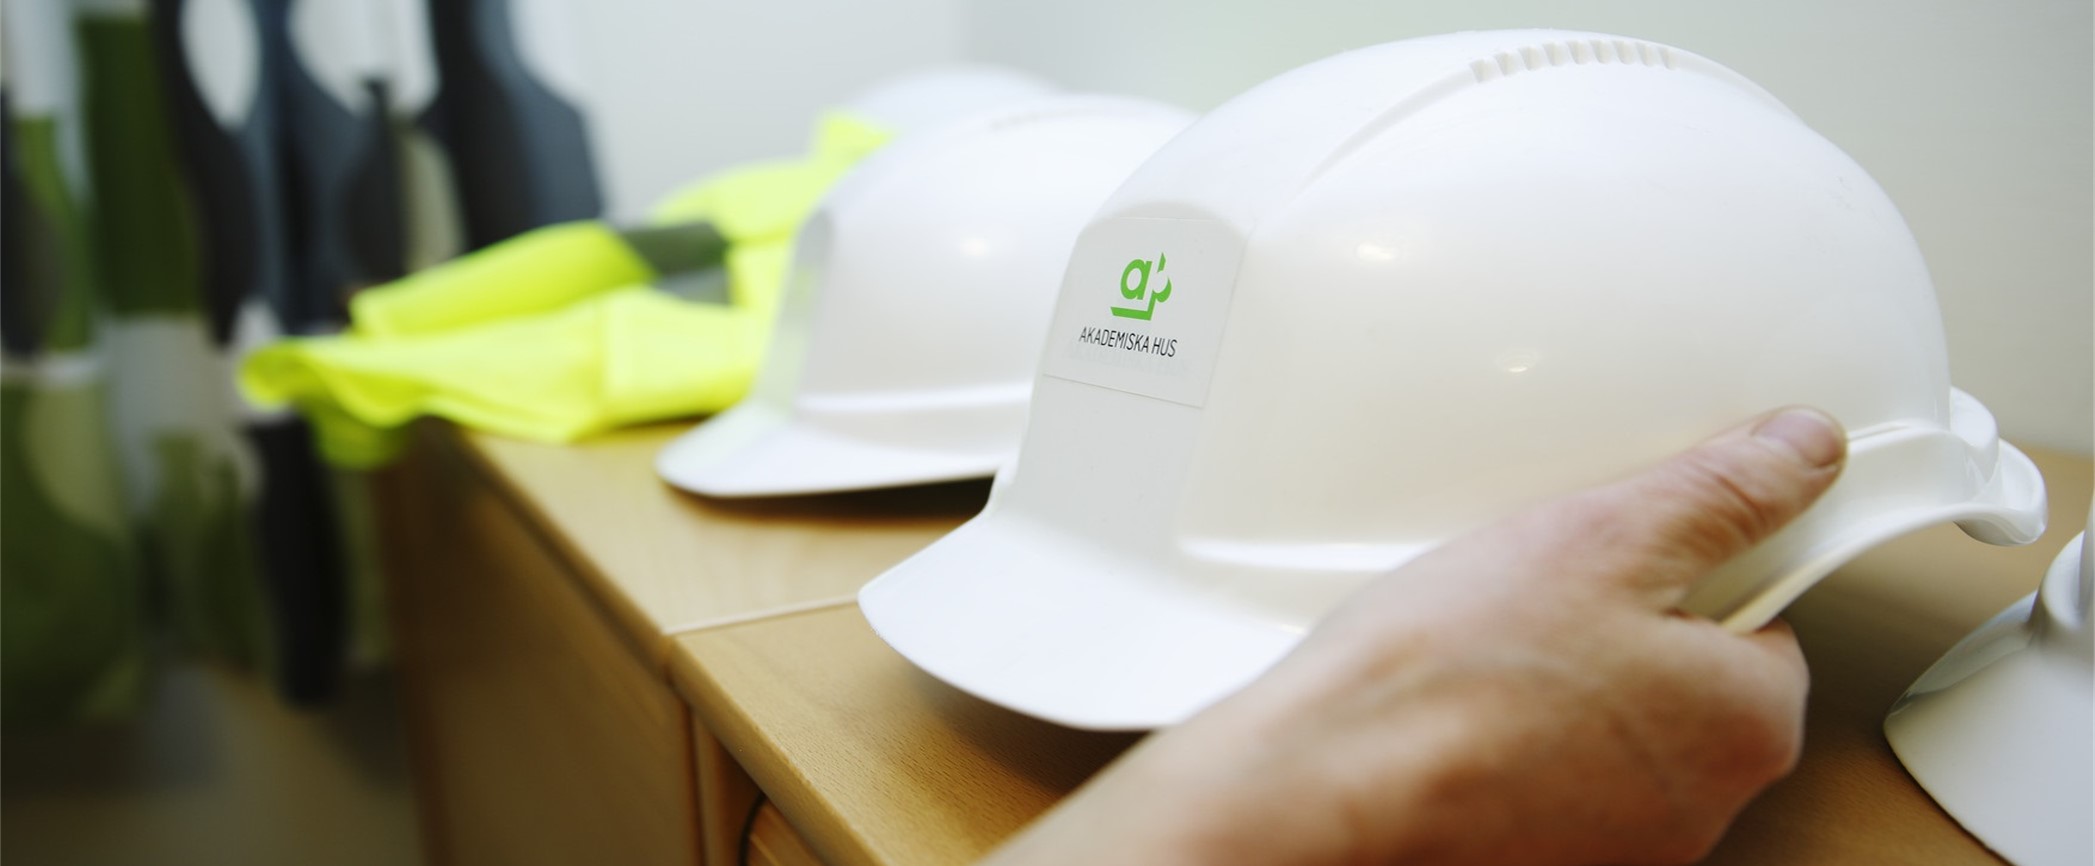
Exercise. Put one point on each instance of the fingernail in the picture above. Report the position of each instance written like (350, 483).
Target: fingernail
(1813, 437)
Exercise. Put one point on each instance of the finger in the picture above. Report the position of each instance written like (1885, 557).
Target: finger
(1710, 503)
(1778, 643)
(1785, 684)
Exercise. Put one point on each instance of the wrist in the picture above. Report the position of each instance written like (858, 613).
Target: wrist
(1261, 786)
(1259, 779)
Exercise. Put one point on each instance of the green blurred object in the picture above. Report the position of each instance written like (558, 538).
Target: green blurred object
(71, 599)
(50, 261)
(555, 334)
(142, 221)
(71, 626)
(189, 474)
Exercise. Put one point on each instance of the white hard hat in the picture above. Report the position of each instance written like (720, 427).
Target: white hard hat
(1387, 297)
(1999, 731)
(934, 96)
(919, 296)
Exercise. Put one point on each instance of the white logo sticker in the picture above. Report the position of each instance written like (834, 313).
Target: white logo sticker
(1143, 306)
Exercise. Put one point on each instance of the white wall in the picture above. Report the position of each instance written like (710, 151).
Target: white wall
(1974, 116)
(686, 87)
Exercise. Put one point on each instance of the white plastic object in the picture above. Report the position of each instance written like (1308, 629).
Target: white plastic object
(934, 96)
(919, 295)
(2000, 730)
(1413, 288)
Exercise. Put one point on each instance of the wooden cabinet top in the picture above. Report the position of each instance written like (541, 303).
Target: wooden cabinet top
(665, 561)
(876, 762)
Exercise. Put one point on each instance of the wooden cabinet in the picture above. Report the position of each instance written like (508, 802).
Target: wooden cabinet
(534, 591)
(873, 760)
(541, 730)
(601, 669)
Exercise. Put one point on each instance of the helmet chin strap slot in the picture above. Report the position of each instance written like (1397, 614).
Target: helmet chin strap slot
(1886, 491)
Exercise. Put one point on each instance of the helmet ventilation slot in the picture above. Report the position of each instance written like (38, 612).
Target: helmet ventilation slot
(1579, 52)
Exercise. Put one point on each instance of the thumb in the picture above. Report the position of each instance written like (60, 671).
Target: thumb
(1714, 501)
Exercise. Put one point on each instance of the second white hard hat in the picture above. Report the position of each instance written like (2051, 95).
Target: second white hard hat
(2001, 731)
(918, 296)
(1389, 296)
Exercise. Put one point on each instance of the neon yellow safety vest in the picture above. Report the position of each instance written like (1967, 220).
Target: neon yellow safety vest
(555, 334)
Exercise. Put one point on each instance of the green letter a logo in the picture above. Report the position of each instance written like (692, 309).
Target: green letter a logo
(1141, 288)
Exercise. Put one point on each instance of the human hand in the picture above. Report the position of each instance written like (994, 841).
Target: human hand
(1524, 694)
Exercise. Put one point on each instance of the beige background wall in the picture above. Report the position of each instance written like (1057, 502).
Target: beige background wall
(684, 87)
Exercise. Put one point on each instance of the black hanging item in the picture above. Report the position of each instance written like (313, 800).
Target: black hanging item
(271, 233)
(519, 153)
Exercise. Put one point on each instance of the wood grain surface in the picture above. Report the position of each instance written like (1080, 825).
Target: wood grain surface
(725, 796)
(663, 560)
(539, 735)
(774, 842)
(875, 762)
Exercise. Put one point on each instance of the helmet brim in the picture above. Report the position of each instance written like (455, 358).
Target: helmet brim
(1057, 619)
(1041, 622)
(756, 449)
